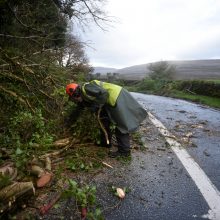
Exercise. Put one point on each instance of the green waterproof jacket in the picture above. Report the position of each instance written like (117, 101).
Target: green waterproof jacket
(123, 110)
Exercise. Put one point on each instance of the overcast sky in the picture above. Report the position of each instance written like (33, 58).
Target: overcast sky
(155, 30)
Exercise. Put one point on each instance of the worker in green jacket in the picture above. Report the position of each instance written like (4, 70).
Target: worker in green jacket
(115, 106)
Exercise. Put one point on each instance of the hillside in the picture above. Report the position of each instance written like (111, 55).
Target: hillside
(104, 70)
(188, 69)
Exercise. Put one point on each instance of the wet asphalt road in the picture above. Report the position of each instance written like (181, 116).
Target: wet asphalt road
(200, 123)
(159, 185)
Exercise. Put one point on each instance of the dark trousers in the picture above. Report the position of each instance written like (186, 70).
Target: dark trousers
(123, 140)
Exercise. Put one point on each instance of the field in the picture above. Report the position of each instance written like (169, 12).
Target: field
(195, 80)
(185, 70)
(205, 92)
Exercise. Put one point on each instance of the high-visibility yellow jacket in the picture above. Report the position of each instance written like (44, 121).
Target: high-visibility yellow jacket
(123, 110)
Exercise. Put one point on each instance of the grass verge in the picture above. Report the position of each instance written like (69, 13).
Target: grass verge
(205, 100)
(203, 92)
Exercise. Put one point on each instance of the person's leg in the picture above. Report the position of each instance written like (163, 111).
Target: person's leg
(106, 123)
(123, 141)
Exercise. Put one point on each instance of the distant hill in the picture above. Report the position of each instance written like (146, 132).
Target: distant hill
(197, 69)
(187, 69)
(136, 72)
(104, 70)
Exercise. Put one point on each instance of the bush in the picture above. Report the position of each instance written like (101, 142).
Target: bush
(151, 86)
(29, 128)
(86, 127)
(27, 135)
(162, 71)
(147, 85)
(200, 87)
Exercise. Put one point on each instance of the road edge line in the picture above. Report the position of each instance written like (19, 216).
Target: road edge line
(202, 181)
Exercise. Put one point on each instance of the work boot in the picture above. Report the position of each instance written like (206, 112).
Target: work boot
(104, 145)
(119, 154)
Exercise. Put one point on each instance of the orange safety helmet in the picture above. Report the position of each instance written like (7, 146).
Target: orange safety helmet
(71, 88)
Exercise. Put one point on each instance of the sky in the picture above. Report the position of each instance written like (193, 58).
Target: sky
(145, 31)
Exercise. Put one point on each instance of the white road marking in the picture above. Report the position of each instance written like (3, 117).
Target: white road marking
(204, 184)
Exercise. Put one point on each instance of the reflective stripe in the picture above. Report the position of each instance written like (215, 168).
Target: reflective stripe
(85, 94)
(113, 91)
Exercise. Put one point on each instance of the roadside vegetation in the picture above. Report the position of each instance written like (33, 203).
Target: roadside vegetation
(39, 55)
(161, 81)
(39, 154)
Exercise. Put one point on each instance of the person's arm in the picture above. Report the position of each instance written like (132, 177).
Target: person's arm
(75, 113)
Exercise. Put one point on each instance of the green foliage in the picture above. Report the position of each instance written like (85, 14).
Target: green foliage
(199, 87)
(32, 18)
(119, 82)
(83, 165)
(77, 164)
(33, 74)
(151, 86)
(161, 71)
(27, 133)
(125, 160)
(85, 197)
(33, 43)
(85, 158)
(21, 157)
(146, 85)
(136, 137)
(30, 128)
(86, 127)
(96, 215)
(210, 101)
(4, 181)
(204, 92)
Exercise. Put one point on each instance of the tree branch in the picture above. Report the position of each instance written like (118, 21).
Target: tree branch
(11, 75)
(19, 21)
(30, 37)
(12, 93)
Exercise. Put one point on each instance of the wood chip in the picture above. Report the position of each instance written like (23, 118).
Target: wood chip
(104, 163)
(120, 193)
(44, 180)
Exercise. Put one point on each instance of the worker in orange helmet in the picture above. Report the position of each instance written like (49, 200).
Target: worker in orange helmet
(115, 105)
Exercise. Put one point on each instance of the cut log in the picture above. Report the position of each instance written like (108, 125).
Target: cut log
(15, 190)
(36, 170)
(61, 142)
(44, 180)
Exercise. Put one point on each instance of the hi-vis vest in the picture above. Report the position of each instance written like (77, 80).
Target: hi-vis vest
(112, 89)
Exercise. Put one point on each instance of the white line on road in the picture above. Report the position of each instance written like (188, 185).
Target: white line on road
(208, 190)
